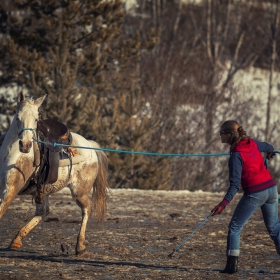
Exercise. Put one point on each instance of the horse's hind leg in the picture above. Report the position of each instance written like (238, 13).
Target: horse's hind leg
(85, 204)
(42, 210)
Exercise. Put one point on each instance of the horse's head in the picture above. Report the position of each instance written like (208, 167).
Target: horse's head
(27, 117)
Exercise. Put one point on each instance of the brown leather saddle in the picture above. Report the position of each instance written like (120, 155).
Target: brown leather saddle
(50, 132)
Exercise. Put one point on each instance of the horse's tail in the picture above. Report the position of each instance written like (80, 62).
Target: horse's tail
(100, 187)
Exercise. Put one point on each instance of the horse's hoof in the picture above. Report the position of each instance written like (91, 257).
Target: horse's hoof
(14, 246)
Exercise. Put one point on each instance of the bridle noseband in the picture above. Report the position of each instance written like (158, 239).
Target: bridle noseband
(31, 129)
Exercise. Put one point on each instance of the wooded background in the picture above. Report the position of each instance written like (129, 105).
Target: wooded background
(160, 78)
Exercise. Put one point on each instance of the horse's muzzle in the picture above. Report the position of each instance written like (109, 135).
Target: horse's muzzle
(25, 147)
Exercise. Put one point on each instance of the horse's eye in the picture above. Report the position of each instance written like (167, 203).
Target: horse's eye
(36, 120)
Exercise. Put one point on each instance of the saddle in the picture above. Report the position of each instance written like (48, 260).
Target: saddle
(50, 132)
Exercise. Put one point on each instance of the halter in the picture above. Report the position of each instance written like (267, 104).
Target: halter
(31, 129)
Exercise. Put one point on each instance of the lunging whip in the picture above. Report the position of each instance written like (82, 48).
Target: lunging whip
(184, 241)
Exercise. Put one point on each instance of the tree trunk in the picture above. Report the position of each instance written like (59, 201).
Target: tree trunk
(274, 31)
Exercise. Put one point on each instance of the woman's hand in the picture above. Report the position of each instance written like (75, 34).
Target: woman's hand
(218, 209)
(270, 155)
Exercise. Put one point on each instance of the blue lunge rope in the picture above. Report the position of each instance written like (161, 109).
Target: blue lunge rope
(142, 153)
(133, 152)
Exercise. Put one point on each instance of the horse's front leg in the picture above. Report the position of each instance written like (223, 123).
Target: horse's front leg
(42, 210)
(85, 204)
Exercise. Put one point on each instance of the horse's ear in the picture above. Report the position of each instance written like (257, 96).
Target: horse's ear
(21, 97)
(40, 100)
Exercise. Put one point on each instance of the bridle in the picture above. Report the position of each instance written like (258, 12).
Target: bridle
(40, 111)
(31, 129)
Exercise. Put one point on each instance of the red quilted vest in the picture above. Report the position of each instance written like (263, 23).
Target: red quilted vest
(255, 176)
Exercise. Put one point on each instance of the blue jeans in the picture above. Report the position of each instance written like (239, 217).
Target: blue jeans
(267, 200)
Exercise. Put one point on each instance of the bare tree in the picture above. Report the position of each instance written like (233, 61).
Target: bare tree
(274, 35)
(202, 49)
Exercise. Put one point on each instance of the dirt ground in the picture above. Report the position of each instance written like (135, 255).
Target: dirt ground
(140, 230)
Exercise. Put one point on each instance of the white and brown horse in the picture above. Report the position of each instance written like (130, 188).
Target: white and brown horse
(87, 180)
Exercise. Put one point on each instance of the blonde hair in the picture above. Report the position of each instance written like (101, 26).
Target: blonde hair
(236, 131)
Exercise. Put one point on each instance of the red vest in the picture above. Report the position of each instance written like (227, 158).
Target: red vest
(255, 177)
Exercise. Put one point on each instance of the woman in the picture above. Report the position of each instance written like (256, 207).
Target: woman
(247, 168)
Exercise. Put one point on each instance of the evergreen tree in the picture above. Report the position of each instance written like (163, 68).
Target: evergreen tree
(127, 122)
(74, 52)
(62, 48)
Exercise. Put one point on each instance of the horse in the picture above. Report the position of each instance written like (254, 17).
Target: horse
(87, 179)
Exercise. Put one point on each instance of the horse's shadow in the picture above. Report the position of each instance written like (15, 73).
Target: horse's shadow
(68, 259)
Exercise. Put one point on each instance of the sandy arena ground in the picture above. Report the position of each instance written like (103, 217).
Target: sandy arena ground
(140, 230)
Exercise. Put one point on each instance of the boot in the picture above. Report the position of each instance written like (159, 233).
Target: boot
(231, 266)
